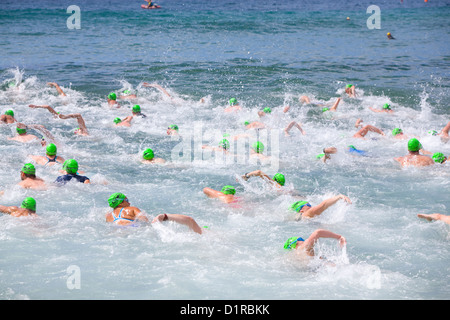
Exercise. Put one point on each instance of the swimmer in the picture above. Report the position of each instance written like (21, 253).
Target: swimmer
(414, 158)
(149, 157)
(233, 106)
(22, 135)
(227, 194)
(8, 117)
(305, 209)
(350, 90)
(136, 111)
(123, 123)
(334, 107)
(325, 155)
(278, 179)
(439, 157)
(389, 36)
(112, 100)
(307, 246)
(151, 4)
(386, 108)
(257, 149)
(435, 217)
(172, 130)
(444, 133)
(29, 179)
(127, 94)
(293, 124)
(50, 156)
(27, 208)
(123, 213)
(254, 125)
(398, 134)
(223, 146)
(57, 87)
(266, 110)
(81, 130)
(71, 168)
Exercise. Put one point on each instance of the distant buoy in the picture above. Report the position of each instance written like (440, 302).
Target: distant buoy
(348, 18)
(425, 0)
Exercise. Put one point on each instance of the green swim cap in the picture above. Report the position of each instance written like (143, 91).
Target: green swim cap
(29, 203)
(126, 91)
(246, 123)
(349, 86)
(297, 206)
(267, 110)
(224, 143)
(439, 157)
(115, 199)
(148, 154)
(258, 147)
(279, 178)
(112, 96)
(173, 127)
(387, 106)
(414, 145)
(291, 243)
(51, 149)
(70, 166)
(351, 147)
(433, 132)
(228, 190)
(21, 130)
(9, 113)
(396, 131)
(117, 120)
(325, 109)
(320, 156)
(28, 168)
(232, 101)
(136, 108)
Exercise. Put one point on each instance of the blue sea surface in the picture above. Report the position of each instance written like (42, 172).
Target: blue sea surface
(265, 54)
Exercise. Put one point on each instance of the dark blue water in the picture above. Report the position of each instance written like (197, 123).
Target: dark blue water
(265, 54)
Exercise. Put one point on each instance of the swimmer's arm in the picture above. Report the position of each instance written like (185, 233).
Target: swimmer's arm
(50, 109)
(324, 205)
(80, 120)
(181, 219)
(212, 193)
(435, 216)
(8, 210)
(309, 243)
(54, 84)
(47, 133)
(157, 86)
(258, 173)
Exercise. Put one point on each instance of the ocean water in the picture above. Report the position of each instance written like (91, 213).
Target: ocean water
(264, 54)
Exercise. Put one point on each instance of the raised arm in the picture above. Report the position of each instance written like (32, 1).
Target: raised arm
(54, 84)
(257, 173)
(80, 120)
(308, 244)
(50, 109)
(181, 219)
(157, 86)
(47, 133)
(324, 205)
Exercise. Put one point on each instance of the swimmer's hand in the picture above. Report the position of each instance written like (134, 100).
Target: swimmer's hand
(160, 218)
(345, 198)
(342, 241)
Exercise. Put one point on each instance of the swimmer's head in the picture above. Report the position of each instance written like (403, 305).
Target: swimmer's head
(228, 190)
(232, 101)
(28, 168)
(279, 177)
(258, 147)
(325, 109)
(348, 86)
(351, 147)
(291, 243)
(51, 149)
(112, 96)
(388, 33)
(246, 123)
(70, 166)
(225, 144)
(386, 106)
(21, 130)
(9, 113)
(396, 131)
(414, 145)
(173, 127)
(439, 157)
(136, 108)
(297, 206)
(148, 154)
(267, 110)
(320, 156)
(29, 203)
(117, 120)
(126, 91)
(115, 199)
(433, 132)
